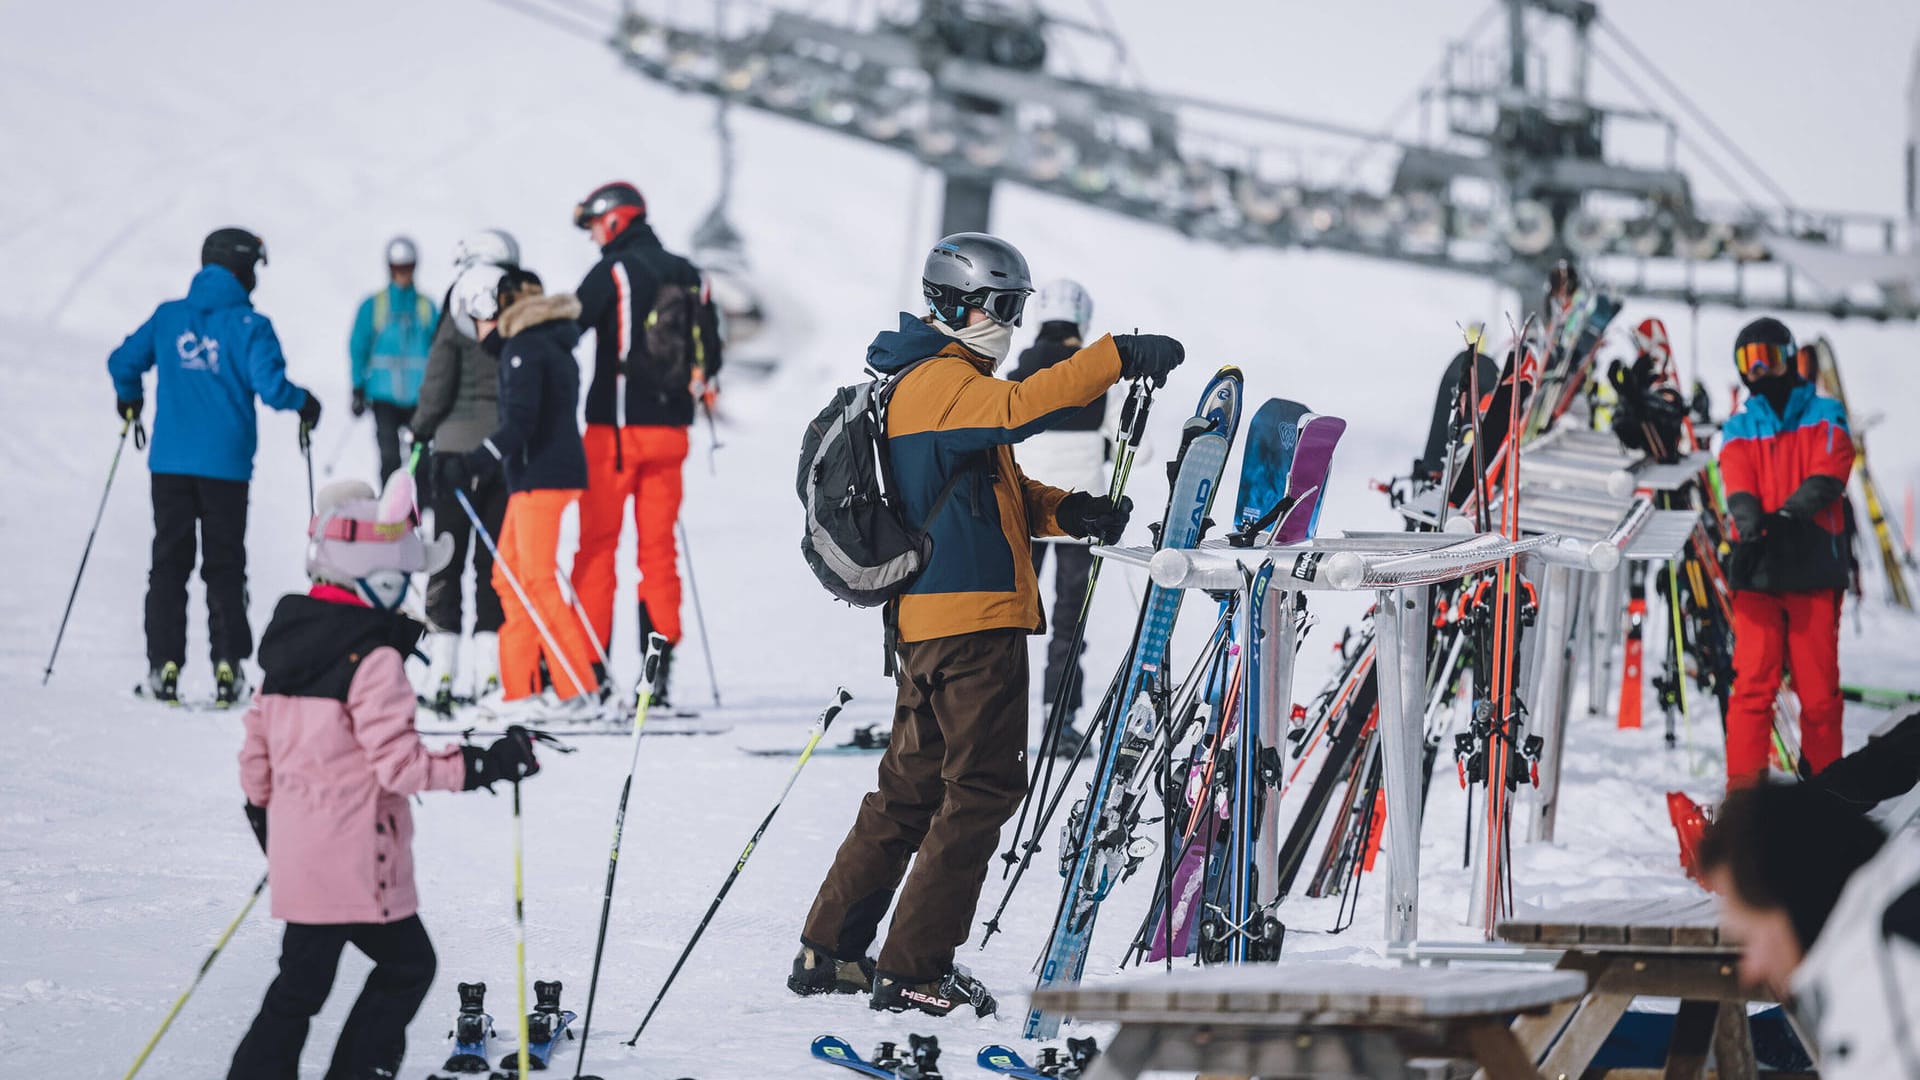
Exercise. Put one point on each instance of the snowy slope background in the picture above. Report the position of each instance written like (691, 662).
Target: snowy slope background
(132, 129)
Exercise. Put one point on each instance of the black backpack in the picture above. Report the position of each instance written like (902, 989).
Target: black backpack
(858, 540)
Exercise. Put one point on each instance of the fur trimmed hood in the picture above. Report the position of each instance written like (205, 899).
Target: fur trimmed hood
(531, 311)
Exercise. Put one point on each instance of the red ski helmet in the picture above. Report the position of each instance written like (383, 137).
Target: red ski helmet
(619, 200)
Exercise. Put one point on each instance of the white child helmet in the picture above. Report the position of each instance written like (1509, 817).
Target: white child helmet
(372, 544)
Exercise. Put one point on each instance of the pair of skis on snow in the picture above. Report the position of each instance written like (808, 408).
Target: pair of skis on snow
(922, 1059)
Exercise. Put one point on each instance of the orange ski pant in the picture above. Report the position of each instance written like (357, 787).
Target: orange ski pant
(529, 548)
(641, 463)
(1772, 633)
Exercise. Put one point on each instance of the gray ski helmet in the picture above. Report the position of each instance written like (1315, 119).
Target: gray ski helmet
(975, 270)
(494, 246)
(402, 252)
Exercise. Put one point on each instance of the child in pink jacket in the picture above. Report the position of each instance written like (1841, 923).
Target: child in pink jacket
(330, 757)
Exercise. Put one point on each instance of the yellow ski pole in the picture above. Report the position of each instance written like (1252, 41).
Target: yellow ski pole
(198, 975)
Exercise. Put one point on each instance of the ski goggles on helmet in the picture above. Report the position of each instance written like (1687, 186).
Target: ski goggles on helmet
(1004, 306)
(1759, 359)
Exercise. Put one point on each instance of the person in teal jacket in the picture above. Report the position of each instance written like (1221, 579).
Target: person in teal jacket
(391, 337)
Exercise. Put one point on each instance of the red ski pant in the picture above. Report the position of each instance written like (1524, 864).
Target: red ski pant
(643, 464)
(529, 549)
(1774, 633)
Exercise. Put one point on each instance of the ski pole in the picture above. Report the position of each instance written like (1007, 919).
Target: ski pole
(139, 442)
(820, 725)
(649, 682)
(520, 929)
(539, 624)
(198, 975)
(306, 451)
(713, 437)
(699, 616)
(340, 446)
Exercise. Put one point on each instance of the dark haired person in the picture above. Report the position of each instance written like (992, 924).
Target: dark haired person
(1826, 909)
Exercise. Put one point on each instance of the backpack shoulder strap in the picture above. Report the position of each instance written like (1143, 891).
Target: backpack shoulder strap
(382, 311)
(883, 397)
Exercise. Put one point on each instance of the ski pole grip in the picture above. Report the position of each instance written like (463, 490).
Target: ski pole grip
(827, 715)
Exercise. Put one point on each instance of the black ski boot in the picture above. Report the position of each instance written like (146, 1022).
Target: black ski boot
(935, 997)
(1069, 742)
(163, 683)
(229, 684)
(815, 972)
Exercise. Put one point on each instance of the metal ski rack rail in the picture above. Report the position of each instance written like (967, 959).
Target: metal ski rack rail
(1398, 567)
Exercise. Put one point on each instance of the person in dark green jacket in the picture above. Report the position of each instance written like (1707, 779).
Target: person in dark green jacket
(391, 336)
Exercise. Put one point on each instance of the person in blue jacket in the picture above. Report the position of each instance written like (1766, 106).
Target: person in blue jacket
(214, 354)
(392, 334)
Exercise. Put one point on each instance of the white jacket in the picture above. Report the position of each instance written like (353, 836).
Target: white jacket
(1075, 460)
(1858, 989)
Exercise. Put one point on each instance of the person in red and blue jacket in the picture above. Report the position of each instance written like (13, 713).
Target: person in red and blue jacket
(1784, 458)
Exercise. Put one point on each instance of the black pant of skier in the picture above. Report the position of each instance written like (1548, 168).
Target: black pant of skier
(376, 1029)
(1064, 676)
(388, 419)
(214, 512)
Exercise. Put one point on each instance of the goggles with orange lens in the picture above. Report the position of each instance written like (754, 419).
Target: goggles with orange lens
(1759, 360)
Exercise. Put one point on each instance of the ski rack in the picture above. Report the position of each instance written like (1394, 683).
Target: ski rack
(1397, 566)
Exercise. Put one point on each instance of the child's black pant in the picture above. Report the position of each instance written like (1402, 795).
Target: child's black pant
(375, 1035)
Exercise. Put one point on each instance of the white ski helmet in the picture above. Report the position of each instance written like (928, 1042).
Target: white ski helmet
(476, 292)
(371, 544)
(496, 246)
(1063, 300)
(402, 252)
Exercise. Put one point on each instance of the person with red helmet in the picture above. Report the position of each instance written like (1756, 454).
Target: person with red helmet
(657, 349)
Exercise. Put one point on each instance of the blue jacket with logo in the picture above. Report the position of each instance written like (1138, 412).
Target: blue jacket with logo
(215, 354)
(392, 335)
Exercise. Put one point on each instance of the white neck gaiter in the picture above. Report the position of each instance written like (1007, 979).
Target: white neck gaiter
(989, 339)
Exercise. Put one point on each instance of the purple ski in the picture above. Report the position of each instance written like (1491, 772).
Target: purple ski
(1312, 459)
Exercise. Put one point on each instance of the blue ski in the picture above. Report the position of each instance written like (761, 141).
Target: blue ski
(1097, 833)
(834, 1049)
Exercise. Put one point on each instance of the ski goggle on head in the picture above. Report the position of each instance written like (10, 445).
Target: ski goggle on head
(1759, 360)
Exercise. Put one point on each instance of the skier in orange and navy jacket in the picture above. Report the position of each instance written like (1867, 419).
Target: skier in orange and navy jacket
(1785, 459)
(657, 350)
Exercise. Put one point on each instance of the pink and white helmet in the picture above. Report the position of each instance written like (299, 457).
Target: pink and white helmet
(370, 543)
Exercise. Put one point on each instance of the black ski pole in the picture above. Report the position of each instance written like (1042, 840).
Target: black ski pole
(225, 937)
(840, 699)
(649, 683)
(139, 443)
(340, 445)
(699, 614)
(306, 451)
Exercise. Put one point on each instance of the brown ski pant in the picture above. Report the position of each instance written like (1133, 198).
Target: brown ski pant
(953, 774)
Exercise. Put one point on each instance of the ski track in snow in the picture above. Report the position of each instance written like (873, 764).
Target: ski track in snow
(123, 851)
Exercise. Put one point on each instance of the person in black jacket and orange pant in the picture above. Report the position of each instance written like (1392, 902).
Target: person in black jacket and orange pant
(537, 448)
(657, 348)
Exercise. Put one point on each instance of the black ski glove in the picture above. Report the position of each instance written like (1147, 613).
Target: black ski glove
(123, 406)
(359, 405)
(257, 818)
(477, 467)
(1096, 517)
(510, 758)
(310, 412)
(1148, 356)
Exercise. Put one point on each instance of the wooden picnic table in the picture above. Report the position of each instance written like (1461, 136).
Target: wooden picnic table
(1659, 947)
(1313, 1019)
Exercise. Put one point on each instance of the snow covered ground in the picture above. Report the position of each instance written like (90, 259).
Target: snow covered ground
(123, 851)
